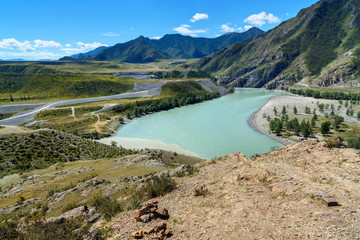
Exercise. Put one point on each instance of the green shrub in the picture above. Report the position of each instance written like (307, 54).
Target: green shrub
(154, 188)
(159, 186)
(135, 200)
(8, 230)
(45, 230)
(354, 143)
(106, 206)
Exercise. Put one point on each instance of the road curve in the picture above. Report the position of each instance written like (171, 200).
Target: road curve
(144, 89)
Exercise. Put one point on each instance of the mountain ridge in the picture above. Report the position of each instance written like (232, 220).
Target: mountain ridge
(90, 53)
(142, 49)
(312, 46)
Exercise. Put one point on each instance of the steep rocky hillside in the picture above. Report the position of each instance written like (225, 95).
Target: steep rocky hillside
(302, 191)
(320, 44)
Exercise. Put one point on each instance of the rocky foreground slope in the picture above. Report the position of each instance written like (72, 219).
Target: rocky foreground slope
(301, 191)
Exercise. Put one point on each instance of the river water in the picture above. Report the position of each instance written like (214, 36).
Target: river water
(209, 129)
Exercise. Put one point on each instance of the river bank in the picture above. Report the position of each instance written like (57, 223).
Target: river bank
(133, 143)
(260, 124)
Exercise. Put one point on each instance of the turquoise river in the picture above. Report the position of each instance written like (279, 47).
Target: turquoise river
(209, 129)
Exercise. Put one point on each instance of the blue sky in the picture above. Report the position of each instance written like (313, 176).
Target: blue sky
(50, 29)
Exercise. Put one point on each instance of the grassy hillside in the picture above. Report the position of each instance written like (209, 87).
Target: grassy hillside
(88, 67)
(62, 85)
(182, 88)
(43, 148)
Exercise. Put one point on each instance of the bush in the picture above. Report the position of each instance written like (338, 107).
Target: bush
(354, 143)
(106, 207)
(159, 186)
(45, 230)
(135, 200)
(331, 143)
(154, 188)
(9, 230)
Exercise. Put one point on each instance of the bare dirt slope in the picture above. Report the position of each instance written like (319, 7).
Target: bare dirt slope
(285, 194)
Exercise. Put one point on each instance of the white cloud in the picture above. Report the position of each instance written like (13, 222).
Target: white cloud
(12, 43)
(110, 34)
(262, 18)
(199, 16)
(28, 49)
(89, 46)
(46, 44)
(227, 28)
(247, 27)
(82, 47)
(185, 30)
(30, 55)
(156, 38)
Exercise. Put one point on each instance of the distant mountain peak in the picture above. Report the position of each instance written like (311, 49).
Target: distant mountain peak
(169, 46)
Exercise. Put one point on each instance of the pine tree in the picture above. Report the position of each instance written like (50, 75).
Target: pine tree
(275, 111)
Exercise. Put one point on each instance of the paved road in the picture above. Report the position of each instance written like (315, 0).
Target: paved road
(18, 107)
(140, 90)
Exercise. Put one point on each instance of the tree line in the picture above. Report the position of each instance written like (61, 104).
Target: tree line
(181, 74)
(337, 95)
(139, 108)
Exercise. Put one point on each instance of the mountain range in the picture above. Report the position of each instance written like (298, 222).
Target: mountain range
(319, 46)
(142, 49)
